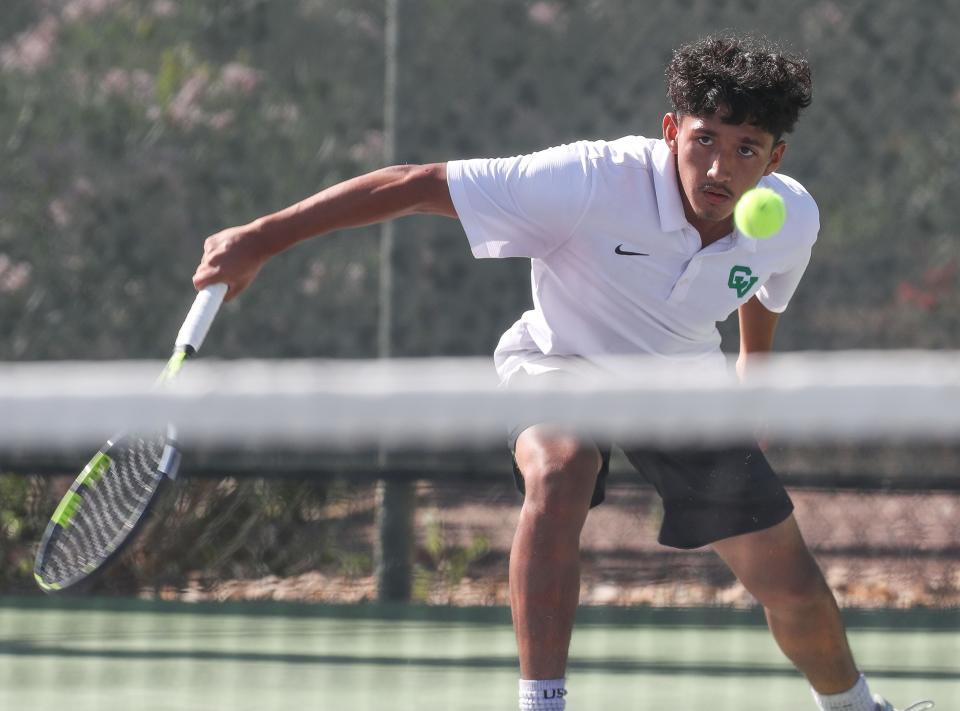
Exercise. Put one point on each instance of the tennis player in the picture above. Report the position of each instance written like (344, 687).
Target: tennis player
(633, 251)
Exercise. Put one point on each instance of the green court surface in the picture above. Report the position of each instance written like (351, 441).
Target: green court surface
(102, 654)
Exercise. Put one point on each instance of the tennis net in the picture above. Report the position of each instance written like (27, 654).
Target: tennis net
(274, 530)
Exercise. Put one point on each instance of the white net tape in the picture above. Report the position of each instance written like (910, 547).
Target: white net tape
(869, 396)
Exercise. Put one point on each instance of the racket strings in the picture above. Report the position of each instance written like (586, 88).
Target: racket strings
(109, 508)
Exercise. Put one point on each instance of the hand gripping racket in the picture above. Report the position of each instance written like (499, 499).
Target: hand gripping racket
(109, 500)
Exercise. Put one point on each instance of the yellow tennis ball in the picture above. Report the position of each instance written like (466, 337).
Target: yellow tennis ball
(760, 213)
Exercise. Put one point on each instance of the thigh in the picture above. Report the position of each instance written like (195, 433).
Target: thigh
(709, 495)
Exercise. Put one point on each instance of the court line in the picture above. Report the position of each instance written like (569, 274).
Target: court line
(604, 665)
(927, 619)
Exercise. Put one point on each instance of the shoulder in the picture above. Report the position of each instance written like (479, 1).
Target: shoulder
(803, 215)
(626, 152)
(630, 152)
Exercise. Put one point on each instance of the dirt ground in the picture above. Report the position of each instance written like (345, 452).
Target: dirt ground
(876, 549)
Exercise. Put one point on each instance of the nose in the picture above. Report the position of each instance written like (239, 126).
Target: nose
(719, 169)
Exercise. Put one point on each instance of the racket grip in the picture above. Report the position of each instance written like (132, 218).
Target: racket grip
(198, 320)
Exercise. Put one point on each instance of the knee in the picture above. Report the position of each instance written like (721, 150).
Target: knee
(558, 472)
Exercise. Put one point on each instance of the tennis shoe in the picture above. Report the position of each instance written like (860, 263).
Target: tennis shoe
(884, 705)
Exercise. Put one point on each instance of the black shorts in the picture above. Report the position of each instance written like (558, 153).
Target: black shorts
(708, 494)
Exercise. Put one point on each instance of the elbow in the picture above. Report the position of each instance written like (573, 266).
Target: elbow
(428, 188)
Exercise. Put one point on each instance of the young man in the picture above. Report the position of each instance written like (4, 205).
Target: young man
(633, 251)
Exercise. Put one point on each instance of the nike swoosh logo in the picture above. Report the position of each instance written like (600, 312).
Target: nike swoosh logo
(621, 250)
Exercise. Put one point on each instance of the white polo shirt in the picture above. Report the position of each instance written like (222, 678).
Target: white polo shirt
(616, 267)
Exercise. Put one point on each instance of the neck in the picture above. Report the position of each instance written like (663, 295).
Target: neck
(710, 230)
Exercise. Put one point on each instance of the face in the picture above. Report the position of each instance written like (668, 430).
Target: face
(718, 162)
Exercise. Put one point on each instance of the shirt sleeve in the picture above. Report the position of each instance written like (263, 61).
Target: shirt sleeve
(776, 292)
(525, 206)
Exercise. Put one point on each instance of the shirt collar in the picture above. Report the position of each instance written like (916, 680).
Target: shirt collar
(749, 244)
(669, 202)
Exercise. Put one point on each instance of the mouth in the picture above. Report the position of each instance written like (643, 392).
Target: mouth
(716, 196)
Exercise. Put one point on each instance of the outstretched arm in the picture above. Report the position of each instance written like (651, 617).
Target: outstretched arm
(235, 255)
(757, 328)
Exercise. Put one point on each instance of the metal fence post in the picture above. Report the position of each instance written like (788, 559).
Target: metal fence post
(396, 500)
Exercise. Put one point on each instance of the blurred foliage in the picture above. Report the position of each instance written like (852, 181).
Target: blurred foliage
(228, 529)
(132, 129)
(201, 531)
(24, 512)
(443, 564)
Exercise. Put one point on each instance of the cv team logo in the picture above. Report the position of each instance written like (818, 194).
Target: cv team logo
(741, 278)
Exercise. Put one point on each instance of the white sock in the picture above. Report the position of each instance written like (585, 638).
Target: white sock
(543, 695)
(856, 699)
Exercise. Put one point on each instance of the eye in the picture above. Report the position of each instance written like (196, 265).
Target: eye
(746, 152)
(705, 140)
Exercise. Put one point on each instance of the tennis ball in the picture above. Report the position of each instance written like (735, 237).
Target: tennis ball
(760, 213)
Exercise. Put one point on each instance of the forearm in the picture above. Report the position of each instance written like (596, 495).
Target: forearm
(234, 256)
(368, 199)
(757, 329)
(747, 360)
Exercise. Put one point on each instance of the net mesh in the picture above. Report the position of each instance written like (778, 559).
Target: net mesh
(292, 515)
(134, 128)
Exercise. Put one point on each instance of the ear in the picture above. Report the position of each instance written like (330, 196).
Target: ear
(671, 129)
(776, 157)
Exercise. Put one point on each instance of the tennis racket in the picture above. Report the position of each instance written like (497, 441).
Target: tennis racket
(110, 498)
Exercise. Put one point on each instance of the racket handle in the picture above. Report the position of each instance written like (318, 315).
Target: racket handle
(198, 320)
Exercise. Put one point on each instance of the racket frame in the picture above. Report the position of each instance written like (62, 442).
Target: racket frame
(166, 471)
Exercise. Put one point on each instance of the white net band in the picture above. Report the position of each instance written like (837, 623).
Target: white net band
(829, 396)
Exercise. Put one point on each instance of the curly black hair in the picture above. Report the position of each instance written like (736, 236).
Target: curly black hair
(748, 79)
